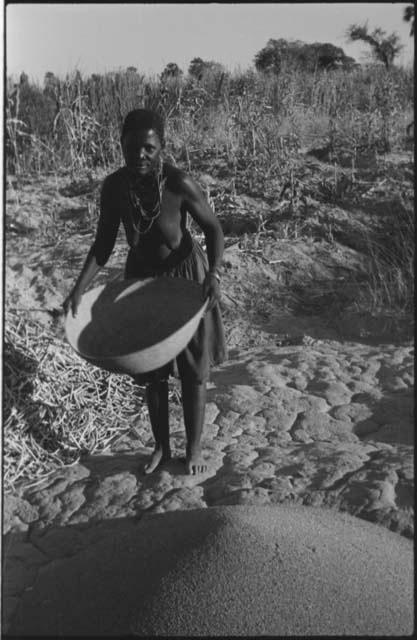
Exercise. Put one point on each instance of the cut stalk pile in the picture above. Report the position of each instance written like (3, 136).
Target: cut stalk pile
(56, 406)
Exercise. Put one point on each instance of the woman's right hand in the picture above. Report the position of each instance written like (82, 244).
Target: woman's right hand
(72, 302)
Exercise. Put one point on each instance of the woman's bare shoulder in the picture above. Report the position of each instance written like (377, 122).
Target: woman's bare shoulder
(177, 180)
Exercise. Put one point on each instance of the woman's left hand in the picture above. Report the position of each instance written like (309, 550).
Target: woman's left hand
(211, 290)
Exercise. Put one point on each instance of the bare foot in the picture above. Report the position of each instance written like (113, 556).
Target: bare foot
(158, 458)
(194, 465)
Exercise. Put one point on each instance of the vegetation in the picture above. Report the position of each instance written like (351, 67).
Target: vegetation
(74, 123)
(171, 71)
(48, 426)
(278, 54)
(200, 69)
(385, 47)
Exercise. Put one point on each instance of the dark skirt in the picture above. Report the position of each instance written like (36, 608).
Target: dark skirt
(207, 347)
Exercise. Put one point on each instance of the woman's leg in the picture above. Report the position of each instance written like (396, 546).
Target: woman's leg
(194, 404)
(157, 401)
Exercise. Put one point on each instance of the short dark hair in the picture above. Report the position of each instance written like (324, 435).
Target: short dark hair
(143, 119)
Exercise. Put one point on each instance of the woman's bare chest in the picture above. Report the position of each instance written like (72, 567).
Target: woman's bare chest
(157, 218)
(169, 220)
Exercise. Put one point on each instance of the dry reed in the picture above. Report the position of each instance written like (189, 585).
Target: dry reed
(57, 407)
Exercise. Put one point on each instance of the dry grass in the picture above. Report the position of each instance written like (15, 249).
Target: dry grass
(244, 115)
(390, 283)
(57, 407)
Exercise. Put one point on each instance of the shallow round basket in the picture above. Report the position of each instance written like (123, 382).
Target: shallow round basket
(135, 326)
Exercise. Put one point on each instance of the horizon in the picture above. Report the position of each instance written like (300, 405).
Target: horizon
(37, 34)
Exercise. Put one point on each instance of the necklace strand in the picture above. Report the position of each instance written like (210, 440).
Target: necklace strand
(144, 215)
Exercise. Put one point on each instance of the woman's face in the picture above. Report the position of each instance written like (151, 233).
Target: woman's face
(141, 151)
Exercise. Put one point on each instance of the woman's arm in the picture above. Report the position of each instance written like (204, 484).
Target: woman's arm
(202, 213)
(99, 253)
(89, 270)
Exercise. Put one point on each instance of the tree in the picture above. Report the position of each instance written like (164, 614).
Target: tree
(350, 63)
(50, 83)
(384, 47)
(409, 17)
(199, 68)
(49, 78)
(37, 109)
(309, 57)
(270, 58)
(328, 56)
(172, 70)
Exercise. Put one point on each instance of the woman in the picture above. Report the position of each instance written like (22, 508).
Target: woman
(152, 199)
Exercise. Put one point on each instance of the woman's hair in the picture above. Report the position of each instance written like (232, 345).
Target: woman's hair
(140, 119)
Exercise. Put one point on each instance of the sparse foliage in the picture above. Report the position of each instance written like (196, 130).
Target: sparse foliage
(385, 47)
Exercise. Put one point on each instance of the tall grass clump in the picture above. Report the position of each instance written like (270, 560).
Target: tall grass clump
(390, 278)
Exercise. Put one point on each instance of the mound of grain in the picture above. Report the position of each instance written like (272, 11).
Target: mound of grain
(245, 571)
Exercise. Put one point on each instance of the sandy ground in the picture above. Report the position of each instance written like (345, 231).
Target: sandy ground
(325, 426)
(314, 409)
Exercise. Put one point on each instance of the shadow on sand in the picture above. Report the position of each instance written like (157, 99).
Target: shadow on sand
(231, 570)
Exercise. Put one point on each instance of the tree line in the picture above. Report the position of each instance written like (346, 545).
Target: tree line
(279, 53)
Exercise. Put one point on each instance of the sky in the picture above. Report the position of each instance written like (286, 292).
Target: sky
(95, 38)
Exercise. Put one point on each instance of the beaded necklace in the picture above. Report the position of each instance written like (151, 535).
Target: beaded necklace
(145, 218)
